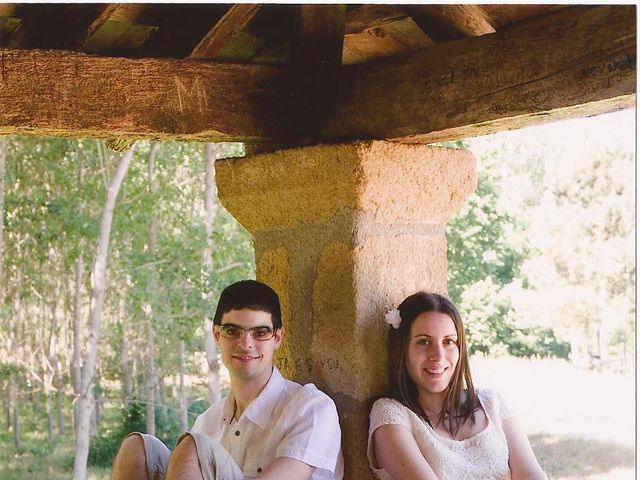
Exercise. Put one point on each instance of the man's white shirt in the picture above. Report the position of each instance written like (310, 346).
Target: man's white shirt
(285, 420)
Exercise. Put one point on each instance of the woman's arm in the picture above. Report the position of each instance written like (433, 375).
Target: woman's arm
(522, 460)
(397, 452)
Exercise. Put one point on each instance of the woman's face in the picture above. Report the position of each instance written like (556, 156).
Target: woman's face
(433, 352)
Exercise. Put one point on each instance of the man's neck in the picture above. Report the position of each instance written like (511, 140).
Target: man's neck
(244, 392)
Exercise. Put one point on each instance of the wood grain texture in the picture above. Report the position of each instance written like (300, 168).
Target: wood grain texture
(378, 31)
(470, 20)
(68, 94)
(233, 22)
(582, 61)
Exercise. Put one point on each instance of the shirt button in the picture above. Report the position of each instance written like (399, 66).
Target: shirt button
(259, 469)
(237, 433)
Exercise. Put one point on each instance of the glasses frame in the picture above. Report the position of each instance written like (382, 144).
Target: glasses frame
(251, 331)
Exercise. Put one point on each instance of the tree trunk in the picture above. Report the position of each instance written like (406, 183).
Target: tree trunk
(125, 346)
(50, 421)
(150, 363)
(98, 399)
(184, 407)
(213, 376)
(77, 324)
(2, 170)
(6, 404)
(164, 407)
(99, 280)
(15, 414)
(60, 413)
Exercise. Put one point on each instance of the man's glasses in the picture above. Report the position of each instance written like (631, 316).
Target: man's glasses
(235, 332)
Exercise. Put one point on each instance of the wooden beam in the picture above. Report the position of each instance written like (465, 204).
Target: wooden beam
(61, 93)
(106, 12)
(470, 20)
(232, 22)
(315, 59)
(581, 62)
(377, 31)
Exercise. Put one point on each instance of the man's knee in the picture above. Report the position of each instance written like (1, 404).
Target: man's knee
(130, 462)
(184, 463)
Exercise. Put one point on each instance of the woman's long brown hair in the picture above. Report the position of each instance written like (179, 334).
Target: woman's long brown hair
(458, 408)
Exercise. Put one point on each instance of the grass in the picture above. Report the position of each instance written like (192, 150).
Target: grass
(36, 461)
(572, 457)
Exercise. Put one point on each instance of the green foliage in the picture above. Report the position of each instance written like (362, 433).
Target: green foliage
(105, 444)
(480, 241)
(491, 327)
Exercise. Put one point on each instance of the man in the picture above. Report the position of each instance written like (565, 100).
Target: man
(267, 428)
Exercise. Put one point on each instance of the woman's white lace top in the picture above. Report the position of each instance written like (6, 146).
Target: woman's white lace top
(485, 455)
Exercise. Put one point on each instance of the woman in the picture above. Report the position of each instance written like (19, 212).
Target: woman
(434, 424)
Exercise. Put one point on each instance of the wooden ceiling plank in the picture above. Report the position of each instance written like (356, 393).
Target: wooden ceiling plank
(470, 20)
(60, 93)
(386, 41)
(105, 14)
(581, 62)
(233, 22)
(378, 31)
(368, 17)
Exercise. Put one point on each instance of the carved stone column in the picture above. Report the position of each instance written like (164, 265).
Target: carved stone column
(342, 233)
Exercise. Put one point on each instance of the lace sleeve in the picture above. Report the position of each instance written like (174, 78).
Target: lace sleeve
(386, 411)
(498, 404)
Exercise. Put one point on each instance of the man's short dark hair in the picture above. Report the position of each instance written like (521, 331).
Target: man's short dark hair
(249, 294)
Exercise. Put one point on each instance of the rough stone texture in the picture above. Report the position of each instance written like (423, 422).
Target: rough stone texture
(343, 233)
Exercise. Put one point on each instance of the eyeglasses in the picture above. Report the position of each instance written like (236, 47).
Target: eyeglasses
(235, 332)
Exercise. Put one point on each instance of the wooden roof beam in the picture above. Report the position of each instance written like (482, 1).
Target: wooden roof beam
(232, 22)
(578, 62)
(376, 31)
(470, 20)
(59, 93)
(315, 59)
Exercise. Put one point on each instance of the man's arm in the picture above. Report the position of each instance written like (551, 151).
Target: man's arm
(289, 468)
(312, 439)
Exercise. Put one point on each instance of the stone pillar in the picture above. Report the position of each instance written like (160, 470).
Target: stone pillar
(343, 233)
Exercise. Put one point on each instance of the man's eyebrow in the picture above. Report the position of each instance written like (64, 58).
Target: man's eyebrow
(429, 336)
(238, 326)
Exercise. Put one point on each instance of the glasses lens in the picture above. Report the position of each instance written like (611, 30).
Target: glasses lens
(261, 333)
(231, 331)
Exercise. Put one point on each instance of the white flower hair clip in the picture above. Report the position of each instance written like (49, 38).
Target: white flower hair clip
(392, 317)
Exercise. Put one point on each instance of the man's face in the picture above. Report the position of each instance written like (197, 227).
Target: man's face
(246, 356)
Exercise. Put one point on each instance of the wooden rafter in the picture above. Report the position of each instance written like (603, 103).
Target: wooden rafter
(103, 16)
(69, 94)
(115, 28)
(377, 31)
(582, 61)
(233, 22)
(470, 20)
(315, 57)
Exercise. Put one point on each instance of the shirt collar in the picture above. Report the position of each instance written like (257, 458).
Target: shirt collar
(260, 409)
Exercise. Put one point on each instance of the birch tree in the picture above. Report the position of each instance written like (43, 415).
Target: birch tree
(212, 151)
(99, 278)
(150, 310)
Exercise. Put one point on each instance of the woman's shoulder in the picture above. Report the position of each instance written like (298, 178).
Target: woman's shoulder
(493, 400)
(388, 411)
